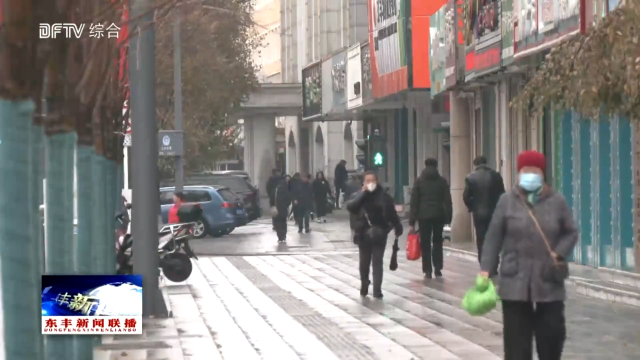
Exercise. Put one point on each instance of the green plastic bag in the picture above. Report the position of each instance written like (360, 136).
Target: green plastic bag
(481, 298)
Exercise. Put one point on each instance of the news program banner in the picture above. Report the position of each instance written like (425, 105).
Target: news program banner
(91, 304)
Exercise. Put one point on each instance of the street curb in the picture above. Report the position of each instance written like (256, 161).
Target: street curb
(467, 255)
(165, 297)
(587, 287)
(601, 292)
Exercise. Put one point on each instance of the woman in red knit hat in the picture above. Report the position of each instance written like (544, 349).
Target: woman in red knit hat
(533, 228)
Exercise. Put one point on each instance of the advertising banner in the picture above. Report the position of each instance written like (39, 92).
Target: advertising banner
(542, 24)
(387, 36)
(334, 78)
(91, 304)
(487, 37)
(507, 25)
(450, 44)
(367, 76)
(312, 91)
(354, 77)
(339, 81)
(437, 55)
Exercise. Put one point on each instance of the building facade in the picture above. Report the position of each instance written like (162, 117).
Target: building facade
(490, 50)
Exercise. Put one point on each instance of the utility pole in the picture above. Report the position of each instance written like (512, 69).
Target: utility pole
(177, 89)
(144, 133)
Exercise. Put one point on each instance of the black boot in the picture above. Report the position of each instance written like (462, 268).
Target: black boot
(438, 273)
(377, 293)
(428, 275)
(364, 288)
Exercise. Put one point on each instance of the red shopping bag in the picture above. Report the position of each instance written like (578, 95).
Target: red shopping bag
(413, 247)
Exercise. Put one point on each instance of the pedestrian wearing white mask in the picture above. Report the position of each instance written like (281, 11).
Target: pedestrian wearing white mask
(533, 228)
(376, 216)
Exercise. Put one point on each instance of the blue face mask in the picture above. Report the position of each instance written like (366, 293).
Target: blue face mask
(530, 182)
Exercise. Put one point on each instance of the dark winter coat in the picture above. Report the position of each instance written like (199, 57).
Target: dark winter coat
(340, 175)
(430, 198)
(282, 200)
(380, 213)
(272, 183)
(483, 188)
(321, 190)
(302, 195)
(527, 271)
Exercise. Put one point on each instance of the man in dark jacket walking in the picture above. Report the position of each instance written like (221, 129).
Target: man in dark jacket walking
(340, 177)
(281, 200)
(303, 203)
(432, 208)
(483, 188)
(375, 216)
(272, 183)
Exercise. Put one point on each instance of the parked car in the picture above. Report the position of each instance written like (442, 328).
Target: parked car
(238, 184)
(217, 220)
(237, 204)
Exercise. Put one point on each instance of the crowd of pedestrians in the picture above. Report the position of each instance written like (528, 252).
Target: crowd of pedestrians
(523, 237)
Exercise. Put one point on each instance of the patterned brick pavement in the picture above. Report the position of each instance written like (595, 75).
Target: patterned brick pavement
(307, 306)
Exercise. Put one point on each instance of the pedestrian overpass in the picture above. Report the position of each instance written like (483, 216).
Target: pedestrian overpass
(259, 111)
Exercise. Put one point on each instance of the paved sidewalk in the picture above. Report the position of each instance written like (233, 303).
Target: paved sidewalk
(259, 238)
(307, 307)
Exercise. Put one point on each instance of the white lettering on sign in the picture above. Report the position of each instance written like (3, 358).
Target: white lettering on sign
(67, 30)
(385, 35)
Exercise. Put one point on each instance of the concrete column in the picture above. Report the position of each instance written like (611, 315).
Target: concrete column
(460, 167)
(260, 152)
(334, 144)
(411, 141)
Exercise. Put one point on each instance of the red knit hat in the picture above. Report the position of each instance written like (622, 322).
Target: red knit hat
(531, 158)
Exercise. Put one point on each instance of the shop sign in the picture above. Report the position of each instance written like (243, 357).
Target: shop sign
(312, 91)
(541, 24)
(488, 37)
(437, 53)
(450, 44)
(367, 77)
(507, 24)
(354, 77)
(469, 64)
(388, 45)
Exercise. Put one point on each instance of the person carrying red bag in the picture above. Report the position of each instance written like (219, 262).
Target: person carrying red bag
(432, 208)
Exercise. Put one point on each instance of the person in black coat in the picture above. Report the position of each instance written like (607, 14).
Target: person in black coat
(376, 217)
(321, 190)
(272, 183)
(281, 200)
(293, 183)
(340, 178)
(431, 207)
(303, 203)
(483, 188)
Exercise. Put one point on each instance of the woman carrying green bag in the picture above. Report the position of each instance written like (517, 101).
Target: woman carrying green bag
(533, 229)
(481, 298)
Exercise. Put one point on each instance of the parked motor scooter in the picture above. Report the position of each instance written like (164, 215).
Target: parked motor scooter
(174, 250)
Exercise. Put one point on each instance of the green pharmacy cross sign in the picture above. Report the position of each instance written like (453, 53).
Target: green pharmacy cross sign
(377, 159)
